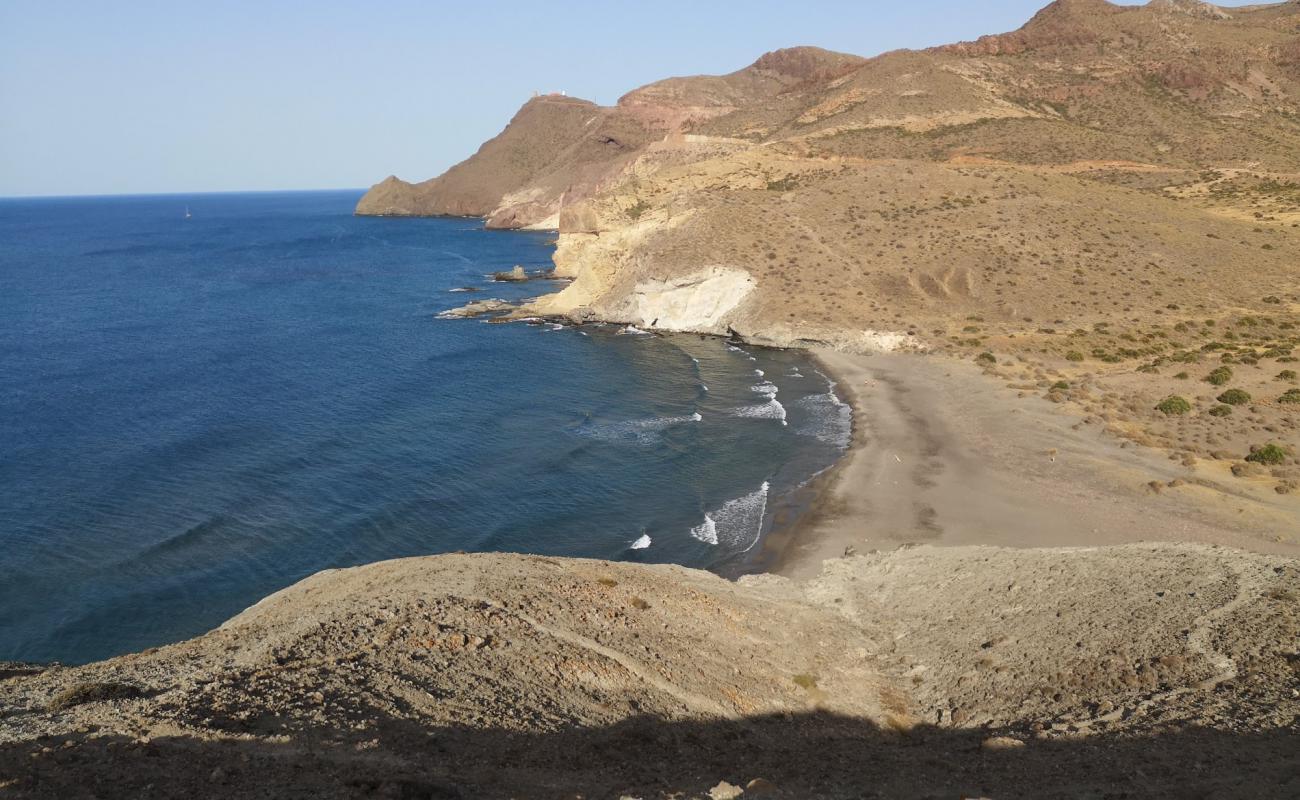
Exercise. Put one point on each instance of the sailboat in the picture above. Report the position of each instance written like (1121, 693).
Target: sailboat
(187, 212)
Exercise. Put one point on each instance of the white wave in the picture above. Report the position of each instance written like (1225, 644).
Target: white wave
(736, 524)
(772, 409)
(462, 289)
(706, 531)
(828, 418)
(641, 543)
(705, 388)
(555, 326)
(759, 373)
(765, 388)
(640, 431)
(632, 330)
(734, 349)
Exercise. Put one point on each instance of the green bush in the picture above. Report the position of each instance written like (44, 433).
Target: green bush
(1235, 397)
(1219, 376)
(1286, 375)
(1061, 386)
(1173, 405)
(1290, 396)
(986, 358)
(1268, 454)
(1074, 355)
(783, 184)
(1220, 411)
(637, 210)
(1182, 376)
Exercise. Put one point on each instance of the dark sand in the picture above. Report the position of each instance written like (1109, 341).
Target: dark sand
(946, 455)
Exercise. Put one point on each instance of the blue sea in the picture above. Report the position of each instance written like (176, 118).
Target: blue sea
(196, 412)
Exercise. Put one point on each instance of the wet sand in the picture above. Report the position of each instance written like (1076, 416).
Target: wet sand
(946, 455)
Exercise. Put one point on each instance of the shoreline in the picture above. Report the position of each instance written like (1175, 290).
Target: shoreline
(942, 454)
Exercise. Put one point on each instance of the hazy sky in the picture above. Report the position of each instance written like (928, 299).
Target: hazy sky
(138, 96)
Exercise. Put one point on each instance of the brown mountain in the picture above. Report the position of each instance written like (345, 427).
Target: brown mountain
(559, 149)
(1110, 193)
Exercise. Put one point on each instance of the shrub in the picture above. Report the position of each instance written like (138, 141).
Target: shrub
(1182, 376)
(1290, 396)
(986, 358)
(1235, 397)
(805, 681)
(1286, 375)
(1268, 454)
(1074, 355)
(1061, 386)
(1173, 405)
(1219, 376)
(1221, 411)
(82, 693)
(638, 209)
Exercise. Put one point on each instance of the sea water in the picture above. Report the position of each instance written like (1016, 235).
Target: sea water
(196, 412)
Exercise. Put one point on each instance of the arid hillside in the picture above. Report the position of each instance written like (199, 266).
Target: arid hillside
(1152, 671)
(1103, 207)
(558, 150)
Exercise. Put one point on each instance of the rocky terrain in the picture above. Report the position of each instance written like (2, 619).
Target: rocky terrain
(1141, 671)
(1102, 207)
(1091, 225)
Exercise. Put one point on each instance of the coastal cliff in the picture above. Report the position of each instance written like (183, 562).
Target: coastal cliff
(818, 196)
(1068, 673)
(1092, 206)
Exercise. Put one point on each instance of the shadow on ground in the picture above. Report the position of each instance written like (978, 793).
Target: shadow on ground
(801, 756)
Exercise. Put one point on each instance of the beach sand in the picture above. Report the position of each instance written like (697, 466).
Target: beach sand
(944, 454)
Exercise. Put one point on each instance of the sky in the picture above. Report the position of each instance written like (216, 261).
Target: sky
(177, 96)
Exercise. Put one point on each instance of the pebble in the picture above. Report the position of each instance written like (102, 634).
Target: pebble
(725, 791)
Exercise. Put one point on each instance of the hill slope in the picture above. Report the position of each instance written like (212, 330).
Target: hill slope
(1156, 670)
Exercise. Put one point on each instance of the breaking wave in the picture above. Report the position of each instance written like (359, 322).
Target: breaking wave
(772, 409)
(829, 418)
(638, 431)
(640, 544)
(736, 524)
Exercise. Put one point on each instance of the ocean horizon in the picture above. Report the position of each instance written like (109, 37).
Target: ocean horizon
(201, 410)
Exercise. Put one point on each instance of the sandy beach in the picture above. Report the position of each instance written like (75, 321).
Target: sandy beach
(944, 454)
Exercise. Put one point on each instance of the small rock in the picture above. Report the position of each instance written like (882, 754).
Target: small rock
(760, 786)
(1001, 743)
(725, 791)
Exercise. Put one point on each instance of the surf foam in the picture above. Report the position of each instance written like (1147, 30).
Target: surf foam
(736, 524)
